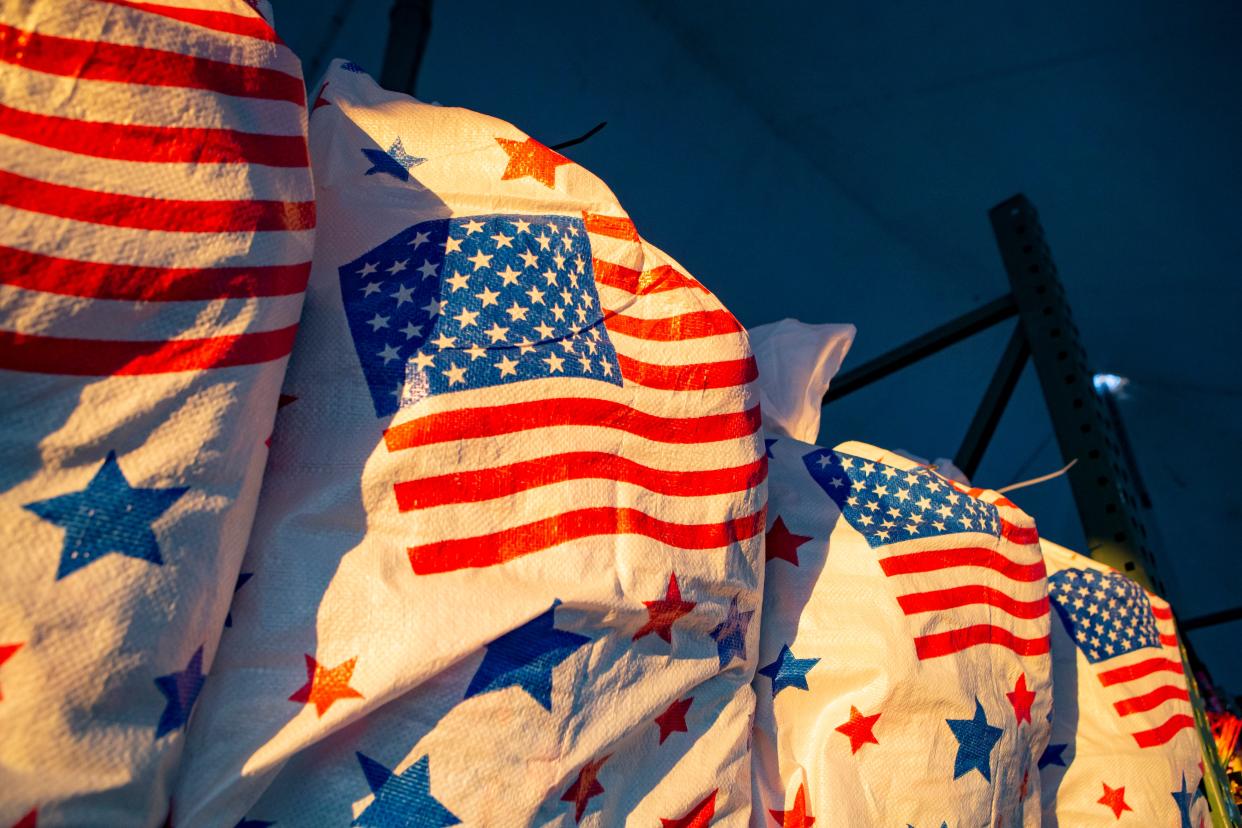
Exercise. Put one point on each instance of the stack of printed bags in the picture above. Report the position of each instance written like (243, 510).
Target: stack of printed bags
(470, 517)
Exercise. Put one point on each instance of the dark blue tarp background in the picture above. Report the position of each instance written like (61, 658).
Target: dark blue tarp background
(835, 162)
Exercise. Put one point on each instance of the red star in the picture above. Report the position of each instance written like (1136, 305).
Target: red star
(1021, 699)
(673, 720)
(30, 820)
(6, 652)
(1023, 789)
(531, 158)
(663, 613)
(320, 100)
(585, 786)
(795, 817)
(1115, 798)
(700, 816)
(783, 544)
(858, 728)
(323, 687)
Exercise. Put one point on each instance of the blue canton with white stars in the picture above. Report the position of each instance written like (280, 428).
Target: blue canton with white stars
(887, 504)
(1106, 613)
(468, 303)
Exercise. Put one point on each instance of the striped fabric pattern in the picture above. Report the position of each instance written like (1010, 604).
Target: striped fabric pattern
(487, 585)
(156, 226)
(1121, 711)
(904, 673)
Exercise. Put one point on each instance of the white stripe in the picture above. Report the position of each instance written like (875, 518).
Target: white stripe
(198, 182)
(108, 23)
(69, 239)
(485, 453)
(87, 100)
(468, 520)
(49, 314)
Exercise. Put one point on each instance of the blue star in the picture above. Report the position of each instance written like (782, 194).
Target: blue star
(975, 740)
(1052, 756)
(1185, 800)
(242, 577)
(395, 162)
(181, 689)
(402, 801)
(107, 516)
(767, 447)
(350, 66)
(730, 634)
(525, 657)
(788, 671)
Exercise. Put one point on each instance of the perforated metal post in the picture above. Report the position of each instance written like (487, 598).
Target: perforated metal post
(1112, 503)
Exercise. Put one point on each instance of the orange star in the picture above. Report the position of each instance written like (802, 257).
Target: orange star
(323, 687)
(858, 728)
(531, 158)
(1115, 798)
(795, 817)
(700, 816)
(1021, 699)
(6, 652)
(783, 544)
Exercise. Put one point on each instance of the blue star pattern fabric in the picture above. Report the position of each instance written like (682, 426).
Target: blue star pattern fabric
(886, 504)
(975, 741)
(788, 671)
(466, 303)
(730, 634)
(1053, 755)
(107, 517)
(181, 690)
(1107, 613)
(525, 657)
(395, 162)
(402, 800)
(1185, 800)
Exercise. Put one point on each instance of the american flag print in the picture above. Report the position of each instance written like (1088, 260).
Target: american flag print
(958, 565)
(897, 682)
(504, 569)
(489, 297)
(156, 226)
(1124, 746)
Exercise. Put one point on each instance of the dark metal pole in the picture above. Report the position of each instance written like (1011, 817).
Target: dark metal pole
(995, 398)
(929, 343)
(408, 28)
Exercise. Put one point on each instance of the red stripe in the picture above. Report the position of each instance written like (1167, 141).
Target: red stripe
(143, 213)
(1162, 734)
(99, 358)
(1139, 669)
(499, 547)
(695, 325)
(963, 596)
(1163, 613)
(689, 377)
(501, 481)
(92, 60)
(1019, 534)
(656, 280)
(968, 556)
(137, 142)
(1149, 701)
(954, 641)
(237, 24)
(1168, 640)
(618, 227)
(96, 280)
(492, 421)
